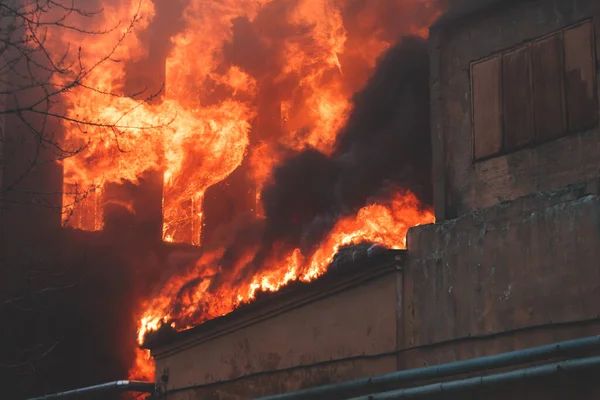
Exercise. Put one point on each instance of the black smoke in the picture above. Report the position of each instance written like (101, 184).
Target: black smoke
(385, 145)
(384, 148)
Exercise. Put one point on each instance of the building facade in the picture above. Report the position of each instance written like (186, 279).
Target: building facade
(512, 261)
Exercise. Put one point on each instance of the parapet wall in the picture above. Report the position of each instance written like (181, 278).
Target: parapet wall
(339, 328)
(515, 275)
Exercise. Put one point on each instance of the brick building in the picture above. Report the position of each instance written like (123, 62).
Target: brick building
(512, 261)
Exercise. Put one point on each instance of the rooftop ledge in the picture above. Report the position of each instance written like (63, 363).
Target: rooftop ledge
(352, 267)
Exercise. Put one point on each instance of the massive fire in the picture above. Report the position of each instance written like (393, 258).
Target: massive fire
(209, 119)
(381, 224)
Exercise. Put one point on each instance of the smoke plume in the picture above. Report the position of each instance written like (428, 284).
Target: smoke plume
(258, 75)
(385, 144)
(384, 148)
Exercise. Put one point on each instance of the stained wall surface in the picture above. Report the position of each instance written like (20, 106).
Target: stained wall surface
(513, 261)
(514, 101)
(348, 333)
(516, 275)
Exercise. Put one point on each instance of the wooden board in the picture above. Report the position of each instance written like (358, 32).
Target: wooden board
(487, 108)
(548, 82)
(580, 79)
(517, 98)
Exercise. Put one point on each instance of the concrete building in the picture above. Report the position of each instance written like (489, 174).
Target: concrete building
(512, 262)
(303, 336)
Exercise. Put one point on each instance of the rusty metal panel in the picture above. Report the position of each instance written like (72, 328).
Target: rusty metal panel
(548, 83)
(517, 98)
(580, 79)
(487, 107)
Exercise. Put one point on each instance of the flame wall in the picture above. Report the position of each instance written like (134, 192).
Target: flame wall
(254, 80)
(244, 109)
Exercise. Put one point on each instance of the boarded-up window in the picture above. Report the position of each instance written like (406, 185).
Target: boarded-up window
(539, 91)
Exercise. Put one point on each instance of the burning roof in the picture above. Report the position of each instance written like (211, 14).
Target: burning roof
(349, 262)
(265, 121)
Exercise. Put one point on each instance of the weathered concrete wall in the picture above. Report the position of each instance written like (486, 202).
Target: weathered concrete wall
(329, 338)
(490, 278)
(462, 185)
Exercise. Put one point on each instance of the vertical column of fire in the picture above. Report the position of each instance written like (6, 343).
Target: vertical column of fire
(269, 127)
(182, 208)
(239, 193)
(123, 208)
(183, 220)
(136, 209)
(83, 205)
(197, 218)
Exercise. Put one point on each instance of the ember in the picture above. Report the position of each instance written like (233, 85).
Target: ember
(261, 89)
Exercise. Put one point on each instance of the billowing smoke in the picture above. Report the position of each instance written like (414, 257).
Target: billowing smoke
(383, 148)
(385, 145)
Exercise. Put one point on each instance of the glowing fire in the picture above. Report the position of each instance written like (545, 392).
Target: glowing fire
(383, 224)
(197, 131)
(195, 145)
(194, 140)
(143, 367)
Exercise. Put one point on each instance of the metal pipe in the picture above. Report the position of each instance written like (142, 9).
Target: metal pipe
(116, 386)
(493, 379)
(393, 380)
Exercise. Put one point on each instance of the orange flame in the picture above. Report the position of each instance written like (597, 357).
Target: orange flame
(383, 224)
(197, 132)
(143, 367)
(194, 142)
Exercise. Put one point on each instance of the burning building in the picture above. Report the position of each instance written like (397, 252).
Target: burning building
(203, 152)
(510, 263)
(283, 225)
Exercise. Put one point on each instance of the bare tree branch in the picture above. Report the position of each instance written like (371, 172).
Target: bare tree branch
(25, 27)
(36, 76)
